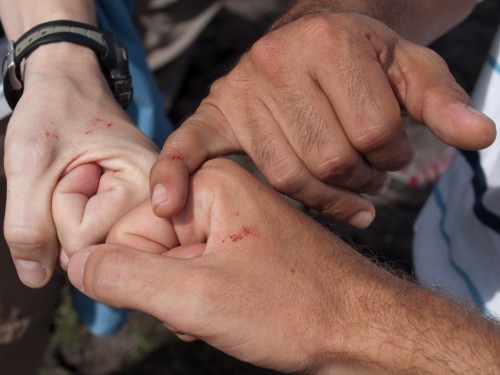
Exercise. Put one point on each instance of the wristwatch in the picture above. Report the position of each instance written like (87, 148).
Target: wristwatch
(111, 52)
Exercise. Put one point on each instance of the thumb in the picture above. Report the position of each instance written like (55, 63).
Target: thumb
(432, 96)
(88, 201)
(203, 136)
(124, 277)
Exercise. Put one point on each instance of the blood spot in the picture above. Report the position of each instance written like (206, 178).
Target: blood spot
(244, 232)
(178, 157)
(236, 237)
(104, 122)
(247, 231)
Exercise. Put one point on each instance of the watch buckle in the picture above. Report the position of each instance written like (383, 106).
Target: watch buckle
(11, 69)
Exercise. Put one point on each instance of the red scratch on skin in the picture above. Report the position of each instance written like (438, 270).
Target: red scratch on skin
(104, 122)
(247, 231)
(179, 157)
(50, 135)
(236, 237)
(244, 232)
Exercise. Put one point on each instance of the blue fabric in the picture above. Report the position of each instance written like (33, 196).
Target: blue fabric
(147, 111)
(100, 319)
(147, 106)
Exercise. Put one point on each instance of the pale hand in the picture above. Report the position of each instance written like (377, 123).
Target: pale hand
(75, 164)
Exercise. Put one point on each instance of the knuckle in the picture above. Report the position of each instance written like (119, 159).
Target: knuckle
(332, 168)
(217, 88)
(324, 34)
(267, 55)
(373, 131)
(373, 139)
(285, 177)
(18, 236)
(281, 171)
(318, 28)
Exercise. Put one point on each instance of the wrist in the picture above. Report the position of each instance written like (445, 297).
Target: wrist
(98, 46)
(65, 68)
(61, 59)
(314, 7)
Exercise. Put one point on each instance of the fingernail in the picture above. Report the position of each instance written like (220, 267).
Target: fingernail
(31, 273)
(76, 268)
(159, 195)
(362, 219)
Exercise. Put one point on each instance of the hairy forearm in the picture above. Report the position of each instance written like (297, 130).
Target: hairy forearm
(396, 326)
(419, 21)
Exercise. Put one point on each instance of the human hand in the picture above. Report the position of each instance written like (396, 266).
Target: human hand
(248, 270)
(244, 271)
(74, 162)
(316, 104)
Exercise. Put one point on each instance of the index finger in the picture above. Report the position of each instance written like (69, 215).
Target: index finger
(29, 229)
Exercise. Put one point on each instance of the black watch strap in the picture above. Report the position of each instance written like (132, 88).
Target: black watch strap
(112, 55)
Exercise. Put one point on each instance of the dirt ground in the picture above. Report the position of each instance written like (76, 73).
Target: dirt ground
(143, 346)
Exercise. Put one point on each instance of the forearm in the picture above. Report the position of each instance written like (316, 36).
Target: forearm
(419, 21)
(18, 16)
(395, 326)
(62, 60)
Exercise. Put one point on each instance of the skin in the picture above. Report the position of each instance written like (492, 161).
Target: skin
(228, 270)
(71, 172)
(316, 103)
(281, 104)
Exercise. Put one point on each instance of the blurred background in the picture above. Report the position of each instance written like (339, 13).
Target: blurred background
(143, 346)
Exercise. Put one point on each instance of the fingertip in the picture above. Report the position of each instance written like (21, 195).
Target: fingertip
(76, 268)
(32, 273)
(361, 219)
(166, 202)
(159, 196)
(464, 127)
(487, 131)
